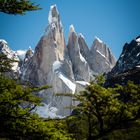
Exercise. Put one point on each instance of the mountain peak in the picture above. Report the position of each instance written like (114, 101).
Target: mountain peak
(3, 41)
(129, 58)
(81, 35)
(138, 39)
(53, 14)
(98, 40)
(71, 29)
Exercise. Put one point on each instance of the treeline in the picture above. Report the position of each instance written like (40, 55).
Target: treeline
(103, 113)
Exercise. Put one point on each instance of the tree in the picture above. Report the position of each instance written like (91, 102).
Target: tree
(17, 6)
(18, 119)
(108, 109)
(5, 63)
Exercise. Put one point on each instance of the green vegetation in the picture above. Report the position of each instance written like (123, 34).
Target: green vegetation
(19, 7)
(17, 119)
(103, 113)
(5, 64)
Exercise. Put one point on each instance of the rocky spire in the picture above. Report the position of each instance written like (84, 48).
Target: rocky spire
(62, 67)
(53, 15)
(84, 50)
(28, 54)
(101, 58)
(79, 64)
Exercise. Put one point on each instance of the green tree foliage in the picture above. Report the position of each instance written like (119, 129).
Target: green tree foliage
(18, 119)
(5, 63)
(106, 109)
(17, 6)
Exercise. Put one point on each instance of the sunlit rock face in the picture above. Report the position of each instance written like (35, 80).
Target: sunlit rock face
(50, 64)
(80, 66)
(64, 67)
(101, 58)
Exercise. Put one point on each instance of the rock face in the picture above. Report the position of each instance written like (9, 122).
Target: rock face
(4, 49)
(101, 59)
(51, 65)
(129, 58)
(67, 68)
(28, 54)
(128, 64)
(80, 66)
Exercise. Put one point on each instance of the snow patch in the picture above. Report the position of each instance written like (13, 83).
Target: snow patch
(82, 58)
(100, 53)
(15, 67)
(51, 18)
(72, 28)
(138, 66)
(100, 41)
(122, 55)
(81, 35)
(107, 63)
(56, 65)
(138, 54)
(10, 54)
(84, 83)
(70, 84)
(56, 68)
(4, 41)
(53, 26)
(21, 53)
(138, 39)
(53, 6)
(46, 111)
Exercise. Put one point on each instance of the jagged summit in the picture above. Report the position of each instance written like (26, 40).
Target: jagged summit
(53, 14)
(28, 54)
(66, 69)
(129, 58)
(96, 39)
(80, 66)
(138, 39)
(101, 58)
(80, 35)
(3, 41)
(71, 28)
(128, 65)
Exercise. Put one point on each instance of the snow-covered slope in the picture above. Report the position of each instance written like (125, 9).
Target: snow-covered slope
(127, 66)
(4, 49)
(21, 54)
(129, 58)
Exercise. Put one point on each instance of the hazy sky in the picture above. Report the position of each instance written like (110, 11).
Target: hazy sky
(113, 21)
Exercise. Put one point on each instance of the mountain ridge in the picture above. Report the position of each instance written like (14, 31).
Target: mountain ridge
(66, 67)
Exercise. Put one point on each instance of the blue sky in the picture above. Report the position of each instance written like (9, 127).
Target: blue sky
(113, 21)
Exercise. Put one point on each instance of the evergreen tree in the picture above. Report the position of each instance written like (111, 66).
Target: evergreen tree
(5, 63)
(107, 109)
(17, 6)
